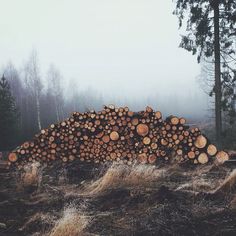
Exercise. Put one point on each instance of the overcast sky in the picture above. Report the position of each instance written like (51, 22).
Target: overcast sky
(119, 47)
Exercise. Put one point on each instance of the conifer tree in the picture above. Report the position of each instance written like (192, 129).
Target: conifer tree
(211, 33)
(8, 117)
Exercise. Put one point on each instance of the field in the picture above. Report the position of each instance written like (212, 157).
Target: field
(85, 199)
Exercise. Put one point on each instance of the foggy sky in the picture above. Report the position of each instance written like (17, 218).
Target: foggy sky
(122, 48)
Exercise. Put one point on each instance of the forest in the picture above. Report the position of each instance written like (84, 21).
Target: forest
(40, 101)
(118, 118)
(33, 105)
(45, 97)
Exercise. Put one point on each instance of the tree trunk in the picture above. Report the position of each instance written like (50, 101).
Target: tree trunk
(57, 110)
(62, 112)
(38, 112)
(218, 118)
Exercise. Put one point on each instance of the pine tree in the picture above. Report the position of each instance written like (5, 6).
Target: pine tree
(8, 117)
(211, 32)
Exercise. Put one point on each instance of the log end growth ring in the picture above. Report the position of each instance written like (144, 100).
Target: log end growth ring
(12, 157)
(201, 141)
(142, 129)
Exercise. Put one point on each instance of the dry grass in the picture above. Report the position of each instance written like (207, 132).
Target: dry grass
(32, 175)
(39, 218)
(130, 200)
(118, 176)
(72, 223)
(228, 185)
(147, 176)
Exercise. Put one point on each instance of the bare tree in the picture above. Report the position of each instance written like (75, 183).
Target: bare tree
(34, 83)
(55, 90)
(73, 99)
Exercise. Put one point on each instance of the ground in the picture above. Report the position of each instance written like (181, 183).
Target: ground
(83, 199)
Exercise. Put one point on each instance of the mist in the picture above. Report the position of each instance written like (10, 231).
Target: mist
(120, 52)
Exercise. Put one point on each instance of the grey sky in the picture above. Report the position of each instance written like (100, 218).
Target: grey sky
(120, 47)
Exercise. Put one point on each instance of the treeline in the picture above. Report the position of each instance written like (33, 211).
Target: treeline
(39, 100)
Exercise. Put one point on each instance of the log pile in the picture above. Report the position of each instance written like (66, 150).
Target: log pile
(118, 135)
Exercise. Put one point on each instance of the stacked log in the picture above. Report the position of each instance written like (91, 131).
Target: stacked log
(118, 135)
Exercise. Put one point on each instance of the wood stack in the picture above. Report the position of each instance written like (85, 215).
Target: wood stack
(121, 135)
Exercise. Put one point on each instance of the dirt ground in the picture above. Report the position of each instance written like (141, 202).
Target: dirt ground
(84, 199)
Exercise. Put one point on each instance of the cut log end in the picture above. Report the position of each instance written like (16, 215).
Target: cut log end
(114, 136)
(106, 139)
(12, 157)
(134, 121)
(146, 140)
(174, 120)
(203, 158)
(191, 155)
(211, 150)
(182, 121)
(149, 109)
(152, 159)
(142, 129)
(200, 142)
(222, 157)
(142, 158)
(158, 115)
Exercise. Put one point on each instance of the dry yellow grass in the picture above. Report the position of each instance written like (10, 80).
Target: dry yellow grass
(31, 175)
(125, 176)
(72, 223)
(228, 185)
(161, 200)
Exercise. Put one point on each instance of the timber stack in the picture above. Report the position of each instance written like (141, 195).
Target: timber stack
(118, 135)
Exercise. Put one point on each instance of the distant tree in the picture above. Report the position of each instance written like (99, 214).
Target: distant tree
(13, 77)
(82, 99)
(17, 89)
(73, 99)
(8, 117)
(211, 32)
(54, 79)
(34, 84)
